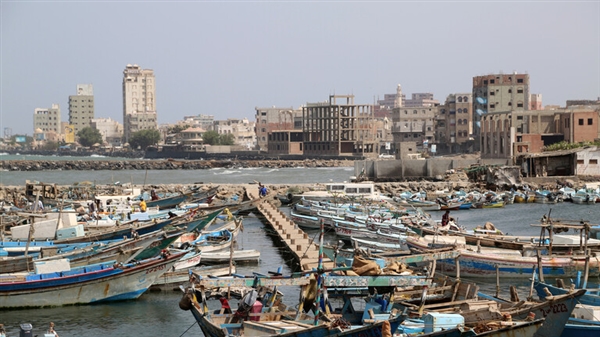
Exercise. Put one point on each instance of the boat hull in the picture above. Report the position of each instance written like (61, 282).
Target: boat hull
(111, 284)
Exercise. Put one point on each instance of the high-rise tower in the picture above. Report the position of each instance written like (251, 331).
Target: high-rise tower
(139, 100)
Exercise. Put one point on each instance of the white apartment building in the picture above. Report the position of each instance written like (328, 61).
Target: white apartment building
(110, 129)
(139, 100)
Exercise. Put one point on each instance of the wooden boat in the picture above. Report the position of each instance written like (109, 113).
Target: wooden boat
(493, 204)
(276, 319)
(489, 262)
(588, 298)
(168, 202)
(213, 241)
(247, 255)
(305, 221)
(171, 280)
(82, 285)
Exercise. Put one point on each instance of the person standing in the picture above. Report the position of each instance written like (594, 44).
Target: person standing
(143, 205)
(445, 218)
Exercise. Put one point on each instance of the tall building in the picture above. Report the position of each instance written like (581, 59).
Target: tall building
(339, 128)
(81, 107)
(139, 100)
(454, 123)
(497, 93)
(46, 120)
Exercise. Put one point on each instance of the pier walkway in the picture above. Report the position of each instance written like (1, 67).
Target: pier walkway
(305, 251)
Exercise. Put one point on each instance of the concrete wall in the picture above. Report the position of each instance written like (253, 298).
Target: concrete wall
(400, 169)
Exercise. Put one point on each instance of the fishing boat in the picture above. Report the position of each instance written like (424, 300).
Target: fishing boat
(56, 284)
(168, 202)
(171, 280)
(489, 262)
(246, 255)
(273, 318)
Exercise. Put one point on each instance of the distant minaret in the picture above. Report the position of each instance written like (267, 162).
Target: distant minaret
(398, 102)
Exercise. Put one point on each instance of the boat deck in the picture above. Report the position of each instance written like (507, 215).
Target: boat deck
(298, 242)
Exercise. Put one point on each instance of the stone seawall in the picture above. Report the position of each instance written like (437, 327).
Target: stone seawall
(48, 165)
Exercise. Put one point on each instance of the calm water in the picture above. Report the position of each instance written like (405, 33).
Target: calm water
(158, 314)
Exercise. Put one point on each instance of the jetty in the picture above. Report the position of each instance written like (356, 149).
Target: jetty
(299, 244)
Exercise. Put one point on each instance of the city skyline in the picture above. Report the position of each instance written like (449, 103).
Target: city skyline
(225, 59)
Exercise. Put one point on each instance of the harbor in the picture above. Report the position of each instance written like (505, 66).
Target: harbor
(283, 244)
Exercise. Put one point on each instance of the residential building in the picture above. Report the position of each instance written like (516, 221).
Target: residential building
(46, 120)
(139, 100)
(420, 100)
(285, 142)
(514, 133)
(414, 125)
(203, 121)
(580, 124)
(498, 92)
(241, 129)
(81, 107)
(454, 124)
(111, 130)
(339, 127)
(535, 102)
(273, 119)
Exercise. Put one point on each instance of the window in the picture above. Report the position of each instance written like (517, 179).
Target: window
(519, 90)
(580, 121)
(485, 82)
(580, 161)
(459, 110)
(520, 105)
(492, 106)
(459, 98)
(414, 112)
(492, 81)
(509, 103)
(510, 91)
(519, 118)
(519, 80)
(593, 161)
(590, 121)
(466, 99)
(492, 93)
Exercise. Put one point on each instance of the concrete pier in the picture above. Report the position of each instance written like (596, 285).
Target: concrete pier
(298, 242)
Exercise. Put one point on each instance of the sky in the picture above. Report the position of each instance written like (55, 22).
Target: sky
(225, 58)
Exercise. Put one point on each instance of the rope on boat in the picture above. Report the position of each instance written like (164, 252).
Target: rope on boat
(188, 329)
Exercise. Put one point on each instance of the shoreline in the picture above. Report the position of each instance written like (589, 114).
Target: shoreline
(163, 164)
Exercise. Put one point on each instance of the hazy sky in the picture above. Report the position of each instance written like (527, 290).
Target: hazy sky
(224, 58)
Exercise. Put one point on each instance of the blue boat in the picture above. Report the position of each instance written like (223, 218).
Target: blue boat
(588, 298)
(81, 285)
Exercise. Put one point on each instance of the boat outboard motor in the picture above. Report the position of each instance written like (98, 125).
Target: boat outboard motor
(246, 303)
(26, 330)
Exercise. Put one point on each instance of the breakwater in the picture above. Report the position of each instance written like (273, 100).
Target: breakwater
(87, 165)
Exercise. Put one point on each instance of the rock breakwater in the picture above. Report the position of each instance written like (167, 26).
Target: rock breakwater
(49, 165)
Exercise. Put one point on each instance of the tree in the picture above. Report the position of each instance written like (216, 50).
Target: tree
(50, 146)
(211, 137)
(144, 138)
(89, 136)
(227, 139)
(178, 128)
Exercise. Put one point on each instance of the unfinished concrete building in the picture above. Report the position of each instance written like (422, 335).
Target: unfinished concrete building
(339, 128)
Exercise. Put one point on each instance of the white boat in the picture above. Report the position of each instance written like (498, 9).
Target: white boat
(344, 191)
(172, 279)
(249, 255)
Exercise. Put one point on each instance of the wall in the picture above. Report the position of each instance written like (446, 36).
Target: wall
(587, 162)
(400, 169)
